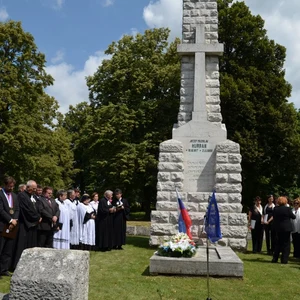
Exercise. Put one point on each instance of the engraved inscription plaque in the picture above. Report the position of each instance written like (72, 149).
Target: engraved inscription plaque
(199, 166)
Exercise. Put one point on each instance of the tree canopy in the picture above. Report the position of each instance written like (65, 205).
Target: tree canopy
(134, 102)
(33, 145)
(254, 103)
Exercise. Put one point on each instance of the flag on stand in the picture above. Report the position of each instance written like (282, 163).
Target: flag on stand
(184, 220)
(212, 220)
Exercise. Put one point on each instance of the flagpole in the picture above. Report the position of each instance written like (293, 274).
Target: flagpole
(207, 268)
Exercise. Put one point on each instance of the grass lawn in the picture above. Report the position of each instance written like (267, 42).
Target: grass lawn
(139, 223)
(125, 275)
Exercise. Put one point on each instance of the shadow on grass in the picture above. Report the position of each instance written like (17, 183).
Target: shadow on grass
(146, 272)
(138, 241)
(257, 259)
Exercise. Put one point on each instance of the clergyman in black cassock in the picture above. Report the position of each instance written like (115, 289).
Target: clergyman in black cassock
(9, 214)
(120, 218)
(104, 223)
(49, 211)
(28, 220)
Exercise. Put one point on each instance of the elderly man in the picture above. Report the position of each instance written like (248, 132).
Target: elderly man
(28, 221)
(21, 188)
(9, 214)
(104, 223)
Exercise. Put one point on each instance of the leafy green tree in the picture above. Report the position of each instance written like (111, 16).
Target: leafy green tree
(254, 103)
(134, 102)
(31, 144)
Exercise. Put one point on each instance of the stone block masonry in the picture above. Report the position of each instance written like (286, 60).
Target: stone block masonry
(195, 13)
(164, 220)
(51, 274)
(199, 158)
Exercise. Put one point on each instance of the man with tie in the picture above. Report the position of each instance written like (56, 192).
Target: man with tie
(9, 215)
(49, 211)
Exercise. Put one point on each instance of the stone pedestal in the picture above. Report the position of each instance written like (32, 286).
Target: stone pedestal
(222, 262)
(51, 274)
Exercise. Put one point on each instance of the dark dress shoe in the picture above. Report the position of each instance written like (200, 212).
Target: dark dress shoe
(274, 261)
(6, 273)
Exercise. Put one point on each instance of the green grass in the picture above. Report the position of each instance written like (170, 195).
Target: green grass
(138, 216)
(125, 275)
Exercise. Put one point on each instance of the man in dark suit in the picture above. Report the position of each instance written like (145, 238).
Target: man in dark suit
(49, 211)
(9, 215)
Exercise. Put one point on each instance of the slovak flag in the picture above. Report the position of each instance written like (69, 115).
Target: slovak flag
(184, 220)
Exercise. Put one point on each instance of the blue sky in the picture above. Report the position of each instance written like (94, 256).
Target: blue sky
(73, 34)
(76, 27)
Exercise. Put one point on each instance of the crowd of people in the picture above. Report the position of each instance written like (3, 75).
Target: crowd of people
(280, 221)
(33, 218)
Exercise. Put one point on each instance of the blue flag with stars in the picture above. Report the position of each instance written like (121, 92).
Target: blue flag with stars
(212, 220)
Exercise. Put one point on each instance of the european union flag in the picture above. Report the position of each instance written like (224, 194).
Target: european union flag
(184, 220)
(212, 220)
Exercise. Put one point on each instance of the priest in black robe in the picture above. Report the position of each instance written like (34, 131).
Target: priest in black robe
(119, 220)
(28, 221)
(104, 223)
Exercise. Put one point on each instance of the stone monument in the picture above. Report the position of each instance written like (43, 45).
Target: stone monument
(199, 158)
(51, 274)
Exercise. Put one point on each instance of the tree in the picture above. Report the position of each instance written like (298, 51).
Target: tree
(32, 146)
(134, 102)
(254, 103)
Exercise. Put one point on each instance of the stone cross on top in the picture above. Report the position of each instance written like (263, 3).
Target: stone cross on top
(200, 49)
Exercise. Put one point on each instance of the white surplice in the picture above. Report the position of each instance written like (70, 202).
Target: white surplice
(74, 234)
(94, 205)
(86, 230)
(61, 238)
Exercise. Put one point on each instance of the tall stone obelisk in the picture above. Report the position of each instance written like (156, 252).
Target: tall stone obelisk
(199, 158)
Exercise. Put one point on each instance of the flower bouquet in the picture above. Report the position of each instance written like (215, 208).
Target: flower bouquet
(179, 245)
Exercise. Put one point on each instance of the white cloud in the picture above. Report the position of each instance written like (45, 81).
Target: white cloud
(165, 13)
(58, 57)
(134, 31)
(70, 85)
(107, 3)
(3, 14)
(53, 4)
(283, 26)
(58, 4)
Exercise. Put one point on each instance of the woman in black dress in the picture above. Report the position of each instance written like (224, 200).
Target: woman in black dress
(282, 216)
(256, 225)
(268, 222)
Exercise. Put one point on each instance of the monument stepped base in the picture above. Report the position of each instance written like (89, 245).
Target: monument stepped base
(222, 262)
